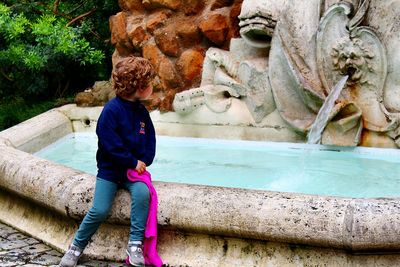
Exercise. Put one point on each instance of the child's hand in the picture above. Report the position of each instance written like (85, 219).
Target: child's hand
(140, 167)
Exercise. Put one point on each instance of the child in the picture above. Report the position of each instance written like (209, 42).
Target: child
(126, 140)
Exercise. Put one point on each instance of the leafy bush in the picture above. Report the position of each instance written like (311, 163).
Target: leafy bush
(18, 110)
(46, 48)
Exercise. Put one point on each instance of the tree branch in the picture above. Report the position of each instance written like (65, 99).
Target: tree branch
(55, 6)
(51, 9)
(95, 34)
(81, 16)
(5, 75)
(77, 7)
(65, 89)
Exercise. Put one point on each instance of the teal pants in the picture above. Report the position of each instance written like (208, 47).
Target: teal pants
(103, 198)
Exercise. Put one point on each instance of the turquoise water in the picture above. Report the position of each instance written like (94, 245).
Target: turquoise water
(285, 167)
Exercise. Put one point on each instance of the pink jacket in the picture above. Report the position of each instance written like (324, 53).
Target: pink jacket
(150, 235)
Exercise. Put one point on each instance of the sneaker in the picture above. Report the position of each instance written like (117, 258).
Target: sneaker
(135, 254)
(71, 257)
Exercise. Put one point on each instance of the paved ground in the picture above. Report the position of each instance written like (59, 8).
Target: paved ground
(17, 249)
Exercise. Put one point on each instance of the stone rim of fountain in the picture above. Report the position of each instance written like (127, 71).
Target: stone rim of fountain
(349, 224)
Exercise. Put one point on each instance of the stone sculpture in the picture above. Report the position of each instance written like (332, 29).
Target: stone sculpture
(240, 72)
(302, 61)
(225, 75)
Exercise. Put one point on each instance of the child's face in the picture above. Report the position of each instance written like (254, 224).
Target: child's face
(143, 94)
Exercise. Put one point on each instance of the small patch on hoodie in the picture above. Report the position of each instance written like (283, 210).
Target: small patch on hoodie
(142, 127)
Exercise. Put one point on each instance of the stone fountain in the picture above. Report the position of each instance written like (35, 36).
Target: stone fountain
(298, 64)
(287, 64)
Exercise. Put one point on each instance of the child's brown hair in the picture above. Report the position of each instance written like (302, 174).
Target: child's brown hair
(131, 74)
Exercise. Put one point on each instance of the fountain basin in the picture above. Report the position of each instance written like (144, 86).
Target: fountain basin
(199, 225)
(354, 172)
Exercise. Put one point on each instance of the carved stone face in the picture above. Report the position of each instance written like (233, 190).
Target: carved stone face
(351, 57)
(258, 20)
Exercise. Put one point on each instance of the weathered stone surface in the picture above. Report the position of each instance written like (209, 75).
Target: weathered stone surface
(153, 53)
(215, 28)
(374, 139)
(188, 33)
(166, 72)
(190, 65)
(144, 20)
(259, 98)
(221, 3)
(157, 20)
(36, 249)
(6, 231)
(131, 5)
(46, 259)
(138, 37)
(119, 35)
(167, 41)
(33, 134)
(227, 75)
(341, 129)
(35, 254)
(234, 20)
(383, 17)
(191, 7)
(322, 222)
(310, 55)
(171, 4)
(166, 102)
(16, 236)
(98, 95)
(12, 244)
(85, 99)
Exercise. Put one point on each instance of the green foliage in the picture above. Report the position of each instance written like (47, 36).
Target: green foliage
(17, 110)
(51, 48)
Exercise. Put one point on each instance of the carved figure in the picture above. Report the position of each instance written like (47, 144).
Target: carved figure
(352, 57)
(341, 47)
(217, 86)
(308, 57)
(309, 45)
(240, 72)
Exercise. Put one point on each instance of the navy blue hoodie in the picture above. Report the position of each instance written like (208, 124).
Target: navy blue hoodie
(126, 134)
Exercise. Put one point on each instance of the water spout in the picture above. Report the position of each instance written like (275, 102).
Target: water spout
(314, 136)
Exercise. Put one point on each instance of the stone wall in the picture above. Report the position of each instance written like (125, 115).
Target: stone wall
(174, 35)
